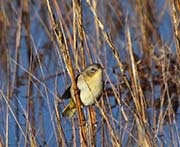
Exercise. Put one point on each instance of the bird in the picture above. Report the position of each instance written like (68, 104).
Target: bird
(90, 84)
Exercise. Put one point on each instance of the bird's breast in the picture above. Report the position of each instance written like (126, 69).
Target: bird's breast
(90, 88)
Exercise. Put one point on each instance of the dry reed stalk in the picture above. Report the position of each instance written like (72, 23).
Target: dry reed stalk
(4, 56)
(94, 3)
(8, 96)
(117, 97)
(103, 134)
(93, 129)
(143, 136)
(4, 24)
(13, 114)
(65, 53)
(175, 22)
(1, 142)
(61, 136)
(15, 79)
(74, 133)
(153, 74)
(78, 12)
(114, 137)
(112, 47)
(91, 110)
(18, 41)
(113, 125)
(168, 112)
(30, 108)
(139, 6)
(137, 91)
(40, 118)
(61, 139)
(32, 138)
(78, 23)
(138, 98)
(75, 39)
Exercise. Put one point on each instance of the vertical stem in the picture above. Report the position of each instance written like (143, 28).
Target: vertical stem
(8, 96)
(61, 39)
(175, 21)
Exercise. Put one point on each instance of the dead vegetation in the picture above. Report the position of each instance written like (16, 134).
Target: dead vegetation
(45, 44)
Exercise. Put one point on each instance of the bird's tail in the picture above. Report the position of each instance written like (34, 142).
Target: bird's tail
(70, 109)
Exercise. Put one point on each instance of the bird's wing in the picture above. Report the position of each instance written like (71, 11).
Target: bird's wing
(67, 93)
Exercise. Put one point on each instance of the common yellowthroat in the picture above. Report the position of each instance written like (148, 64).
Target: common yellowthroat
(90, 85)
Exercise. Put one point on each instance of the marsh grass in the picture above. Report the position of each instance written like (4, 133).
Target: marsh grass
(45, 44)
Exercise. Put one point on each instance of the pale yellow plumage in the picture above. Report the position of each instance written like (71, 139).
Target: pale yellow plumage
(90, 84)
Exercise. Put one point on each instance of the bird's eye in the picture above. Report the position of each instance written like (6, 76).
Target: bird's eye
(93, 69)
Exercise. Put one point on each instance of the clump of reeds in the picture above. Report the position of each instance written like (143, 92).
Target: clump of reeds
(47, 43)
